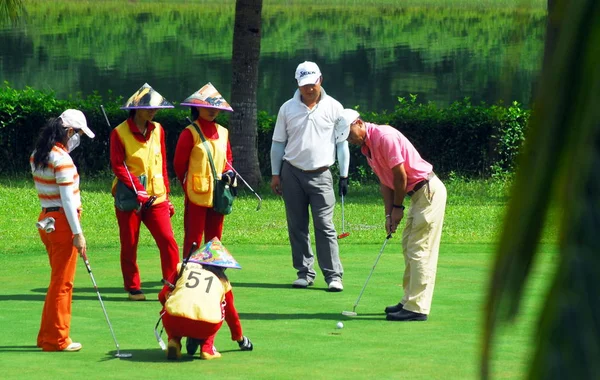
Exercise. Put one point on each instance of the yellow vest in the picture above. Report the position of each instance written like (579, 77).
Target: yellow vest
(198, 295)
(199, 178)
(144, 158)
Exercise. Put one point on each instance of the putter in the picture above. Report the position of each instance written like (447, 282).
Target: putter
(105, 117)
(150, 200)
(343, 234)
(248, 186)
(119, 354)
(184, 263)
(353, 312)
(158, 335)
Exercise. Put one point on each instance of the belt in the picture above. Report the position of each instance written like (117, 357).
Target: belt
(50, 209)
(420, 184)
(318, 170)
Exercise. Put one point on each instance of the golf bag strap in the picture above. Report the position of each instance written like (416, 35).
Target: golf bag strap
(212, 164)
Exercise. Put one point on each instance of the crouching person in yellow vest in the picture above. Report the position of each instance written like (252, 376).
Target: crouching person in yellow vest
(196, 299)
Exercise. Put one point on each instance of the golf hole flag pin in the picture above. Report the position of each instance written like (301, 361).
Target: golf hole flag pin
(214, 253)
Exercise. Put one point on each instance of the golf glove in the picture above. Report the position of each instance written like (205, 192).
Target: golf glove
(142, 197)
(343, 186)
(245, 344)
(228, 177)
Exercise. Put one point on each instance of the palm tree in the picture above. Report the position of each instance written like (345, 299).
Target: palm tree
(244, 84)
(560, 160)
(11, 10)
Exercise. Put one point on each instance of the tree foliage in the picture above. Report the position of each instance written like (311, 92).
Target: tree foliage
(561, 162)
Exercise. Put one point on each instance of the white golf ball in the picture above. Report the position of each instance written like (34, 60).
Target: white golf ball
(339, 325)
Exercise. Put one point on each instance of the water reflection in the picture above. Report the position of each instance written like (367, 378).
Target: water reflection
(368, 58)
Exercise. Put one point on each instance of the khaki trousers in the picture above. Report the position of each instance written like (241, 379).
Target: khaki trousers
(421, 243)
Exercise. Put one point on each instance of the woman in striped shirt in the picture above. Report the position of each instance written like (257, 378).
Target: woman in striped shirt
(57, 184)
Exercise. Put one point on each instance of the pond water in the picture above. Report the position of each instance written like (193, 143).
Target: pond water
(369, 55)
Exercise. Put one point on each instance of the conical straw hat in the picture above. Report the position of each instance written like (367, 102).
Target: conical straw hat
(207, 97)
(214, 253)
(146, 97)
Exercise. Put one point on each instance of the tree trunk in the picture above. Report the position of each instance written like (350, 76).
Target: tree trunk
(244, 85)
(551, 32)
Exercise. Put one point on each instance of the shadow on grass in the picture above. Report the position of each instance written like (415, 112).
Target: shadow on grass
(270, 286)
(20, 349)
(150, 355)
(92, 297)
(321, 316)
(157, 356)
(146, 285)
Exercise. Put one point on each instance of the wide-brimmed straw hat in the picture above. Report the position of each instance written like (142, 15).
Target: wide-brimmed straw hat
(146, 97)
(214, 253)
(207, 97)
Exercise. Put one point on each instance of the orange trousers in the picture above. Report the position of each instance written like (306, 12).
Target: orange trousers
(56, 316)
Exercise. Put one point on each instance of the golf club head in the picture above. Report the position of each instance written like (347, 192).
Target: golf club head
(259, 205)
(122, 355)
(345, 234)
(349, 313)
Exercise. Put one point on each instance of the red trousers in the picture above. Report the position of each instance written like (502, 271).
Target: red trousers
(56, 316)
(158, 222)
(198, 221)
(179, 327)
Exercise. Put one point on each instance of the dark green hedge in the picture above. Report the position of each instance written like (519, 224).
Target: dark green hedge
(462, 139)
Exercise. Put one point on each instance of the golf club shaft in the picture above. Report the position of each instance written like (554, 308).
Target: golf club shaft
(89, 269)
(105, 117)
(244, 181)
(372, 270)
(184, 263)
(343, 218)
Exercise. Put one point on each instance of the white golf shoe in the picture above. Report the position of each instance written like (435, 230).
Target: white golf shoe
(335, 286)
(73, 347)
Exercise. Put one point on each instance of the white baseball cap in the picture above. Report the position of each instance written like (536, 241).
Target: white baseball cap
(76, 119)
(343, 122)
(307, 73)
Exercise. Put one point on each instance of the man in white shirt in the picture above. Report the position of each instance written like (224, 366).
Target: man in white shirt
(302, 151)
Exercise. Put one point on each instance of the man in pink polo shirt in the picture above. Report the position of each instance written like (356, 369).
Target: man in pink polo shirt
(402, 172)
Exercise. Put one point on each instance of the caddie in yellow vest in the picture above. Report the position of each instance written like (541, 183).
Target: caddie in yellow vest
(193, 169)
(138, 159)
(196, 300)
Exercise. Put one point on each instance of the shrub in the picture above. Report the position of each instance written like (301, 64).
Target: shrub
(466, 140)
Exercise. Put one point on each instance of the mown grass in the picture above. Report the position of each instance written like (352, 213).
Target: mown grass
(293, 330)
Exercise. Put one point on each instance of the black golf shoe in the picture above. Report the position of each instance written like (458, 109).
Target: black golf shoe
(405, 316)
(191, 345)
(394, 308)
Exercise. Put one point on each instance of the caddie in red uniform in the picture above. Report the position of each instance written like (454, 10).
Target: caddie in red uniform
(138, 159)
(193, 169)
(198, 301)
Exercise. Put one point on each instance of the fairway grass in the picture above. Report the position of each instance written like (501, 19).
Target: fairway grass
(293, 330)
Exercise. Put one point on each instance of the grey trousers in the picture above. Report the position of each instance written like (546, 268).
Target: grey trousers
(301, 190)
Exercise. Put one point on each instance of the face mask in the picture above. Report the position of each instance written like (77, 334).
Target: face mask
(73, 142)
